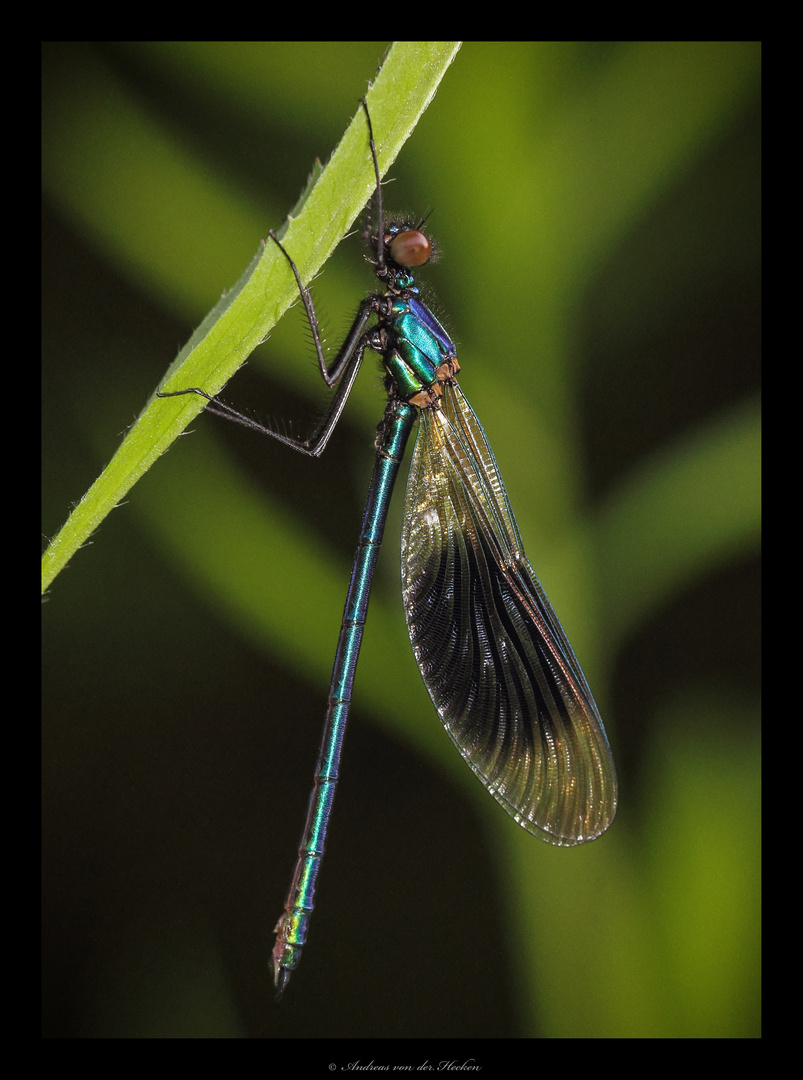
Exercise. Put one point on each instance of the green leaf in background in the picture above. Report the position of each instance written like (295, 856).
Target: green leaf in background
(597, 210)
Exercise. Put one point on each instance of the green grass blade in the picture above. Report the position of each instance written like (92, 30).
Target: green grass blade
(244, 317)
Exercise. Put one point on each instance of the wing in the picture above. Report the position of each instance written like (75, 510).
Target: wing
(494, 658)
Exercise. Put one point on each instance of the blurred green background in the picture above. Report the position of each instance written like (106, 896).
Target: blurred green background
(597, 210)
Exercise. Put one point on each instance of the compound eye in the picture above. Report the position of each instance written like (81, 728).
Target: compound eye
(410, 248)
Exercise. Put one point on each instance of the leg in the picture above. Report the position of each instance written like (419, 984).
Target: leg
(341, 372)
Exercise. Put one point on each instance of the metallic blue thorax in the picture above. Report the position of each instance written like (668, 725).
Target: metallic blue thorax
(421, 346)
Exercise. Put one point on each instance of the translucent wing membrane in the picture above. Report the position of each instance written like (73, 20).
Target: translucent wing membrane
(491, 651)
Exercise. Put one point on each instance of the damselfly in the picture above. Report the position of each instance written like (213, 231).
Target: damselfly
(493, 656)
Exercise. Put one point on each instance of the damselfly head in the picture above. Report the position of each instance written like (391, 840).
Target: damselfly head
(409, 247)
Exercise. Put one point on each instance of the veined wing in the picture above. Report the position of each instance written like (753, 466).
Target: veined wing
(494, 658)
